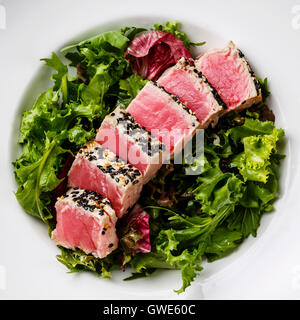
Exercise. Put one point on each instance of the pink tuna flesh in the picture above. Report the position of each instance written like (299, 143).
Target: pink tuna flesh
(164, 116)
(191, 87)
(121, 134)
(228, 71)
(98, 169)
(86, 221)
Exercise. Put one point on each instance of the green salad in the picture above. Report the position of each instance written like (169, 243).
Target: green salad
(192, 217)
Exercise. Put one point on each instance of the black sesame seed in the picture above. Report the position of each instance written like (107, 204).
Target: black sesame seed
(257, 86)
(241, 54)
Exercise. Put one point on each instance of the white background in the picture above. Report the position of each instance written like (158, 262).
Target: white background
(268, 32)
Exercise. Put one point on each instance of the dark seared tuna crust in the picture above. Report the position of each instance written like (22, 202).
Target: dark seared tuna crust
(201, 76)
(88, 200)
(253, 75)
(109, 163)
(148, 143)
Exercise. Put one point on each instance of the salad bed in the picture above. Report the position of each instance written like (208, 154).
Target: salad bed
(192, 217)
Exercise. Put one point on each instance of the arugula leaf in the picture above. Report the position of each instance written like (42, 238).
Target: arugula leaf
(36, 178)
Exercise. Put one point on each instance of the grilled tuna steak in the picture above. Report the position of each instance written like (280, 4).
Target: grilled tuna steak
(98, 169)
(230, 73)
(164, 116)
(121, 134)
(85, 220)
(192, 88)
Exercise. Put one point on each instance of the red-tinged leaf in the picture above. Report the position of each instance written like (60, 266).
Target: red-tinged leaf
(151, 53)
(137, 231)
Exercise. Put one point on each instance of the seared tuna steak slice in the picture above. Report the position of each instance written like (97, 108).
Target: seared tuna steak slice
(164, 116)
(97, 169)
(192, 88)
(121, 134)
(230, 73)
(85, 220)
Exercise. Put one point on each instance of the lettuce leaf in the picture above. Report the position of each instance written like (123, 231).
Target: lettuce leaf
(254, 162)
(222, 241)
(67, 115)
(216, 210)
(129, 89)
(113, 38)
(187, 260)
(77, 261)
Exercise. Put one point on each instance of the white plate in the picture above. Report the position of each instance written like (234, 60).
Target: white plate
(267, 266)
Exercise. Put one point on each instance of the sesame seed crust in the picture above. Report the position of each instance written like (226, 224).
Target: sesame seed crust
(136, 133)
(123, 173)
(187, 66)
(252, 73)
(88, 200)
(176, 99)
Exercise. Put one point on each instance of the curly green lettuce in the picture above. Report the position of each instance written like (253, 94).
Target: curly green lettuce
(67, 115)
(216, 210)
